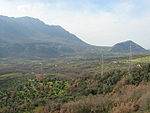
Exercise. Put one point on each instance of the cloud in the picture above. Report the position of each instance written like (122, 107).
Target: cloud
(24, 7)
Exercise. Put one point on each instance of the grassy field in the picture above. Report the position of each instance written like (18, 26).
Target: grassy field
(138, 60)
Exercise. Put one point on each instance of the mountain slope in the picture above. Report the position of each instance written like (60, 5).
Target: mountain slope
(28, 36)
(125, 47)
(25, 29)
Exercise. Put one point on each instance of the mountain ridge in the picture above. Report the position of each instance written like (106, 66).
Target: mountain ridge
(31, 37)
(27, 27)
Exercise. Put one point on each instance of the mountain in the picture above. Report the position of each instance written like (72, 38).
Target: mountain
(26, 36)
(124, 47)
(27, 29)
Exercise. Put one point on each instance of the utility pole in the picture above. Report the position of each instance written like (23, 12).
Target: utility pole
(130, 58)
(32, 72)
(41, 68)
(102, 64)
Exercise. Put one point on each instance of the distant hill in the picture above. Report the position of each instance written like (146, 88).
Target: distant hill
(125, 47)
(26, 36)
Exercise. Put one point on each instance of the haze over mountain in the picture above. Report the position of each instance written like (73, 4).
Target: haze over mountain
(125, 47)
(25, 29)
(32, 37)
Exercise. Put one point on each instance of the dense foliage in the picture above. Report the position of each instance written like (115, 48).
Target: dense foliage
(139, 74)
(116, 91)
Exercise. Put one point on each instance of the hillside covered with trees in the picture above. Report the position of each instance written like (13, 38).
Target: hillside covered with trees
(116, 91)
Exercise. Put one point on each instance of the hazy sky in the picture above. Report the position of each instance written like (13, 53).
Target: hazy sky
(98, 22)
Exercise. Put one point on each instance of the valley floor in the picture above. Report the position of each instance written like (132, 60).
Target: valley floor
(75, 85)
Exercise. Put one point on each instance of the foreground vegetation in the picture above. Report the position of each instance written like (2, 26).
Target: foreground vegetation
(74, 86)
